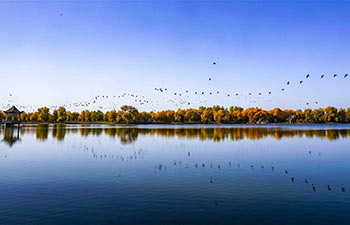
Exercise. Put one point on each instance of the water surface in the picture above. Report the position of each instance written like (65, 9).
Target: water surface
(175, 174)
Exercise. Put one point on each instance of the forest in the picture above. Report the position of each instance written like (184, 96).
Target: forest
(203, 115)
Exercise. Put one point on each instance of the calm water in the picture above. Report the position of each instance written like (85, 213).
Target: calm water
(175, 175)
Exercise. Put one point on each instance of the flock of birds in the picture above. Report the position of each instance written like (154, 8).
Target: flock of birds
(180, 99)
(186, 93)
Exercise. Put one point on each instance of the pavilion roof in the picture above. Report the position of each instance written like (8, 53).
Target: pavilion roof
(13, 109)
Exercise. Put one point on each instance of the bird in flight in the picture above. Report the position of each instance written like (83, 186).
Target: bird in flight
(288, 83)
(346, 75)
(214, 63)
(322, 76)
(335, 75)
(307, 76)
(301, 82)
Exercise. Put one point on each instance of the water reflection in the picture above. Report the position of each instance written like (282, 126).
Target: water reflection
(11, 136)
(168, 170)
(129, 135)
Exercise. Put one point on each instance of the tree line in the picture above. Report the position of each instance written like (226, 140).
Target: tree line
(205, 115)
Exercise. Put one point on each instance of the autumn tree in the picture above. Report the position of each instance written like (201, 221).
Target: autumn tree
(179, 116)
(130, 113)
(207, 116)
(43, 114)
(61, 114)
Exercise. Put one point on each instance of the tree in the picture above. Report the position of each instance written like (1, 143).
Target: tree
(207, 116)
(111, 116)
(219, 116)
(341, 116)
(61, 114)
(235, 109)
(191, 115)
(330, 113)
(130, 113)
(43, 114)
(179, 115)
(34, 117)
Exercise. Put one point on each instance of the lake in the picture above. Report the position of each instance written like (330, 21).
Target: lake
(166, 174)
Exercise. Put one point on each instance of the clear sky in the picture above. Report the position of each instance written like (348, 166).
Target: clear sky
(58, 52)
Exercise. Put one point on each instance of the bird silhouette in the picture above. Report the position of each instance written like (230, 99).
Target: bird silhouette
(301, 82)
(322, 76)
(335, 75)
(346, 75)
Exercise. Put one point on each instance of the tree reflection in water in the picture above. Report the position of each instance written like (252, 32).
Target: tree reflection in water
(128, 135)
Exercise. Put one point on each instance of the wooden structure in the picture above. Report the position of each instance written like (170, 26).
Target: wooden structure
(13, 117)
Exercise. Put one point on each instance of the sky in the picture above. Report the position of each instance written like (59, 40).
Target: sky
(59, 52)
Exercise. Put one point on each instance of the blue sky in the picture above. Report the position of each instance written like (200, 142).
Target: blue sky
(111, 48)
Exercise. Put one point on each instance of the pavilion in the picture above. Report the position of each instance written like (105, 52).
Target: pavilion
(13, 116)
